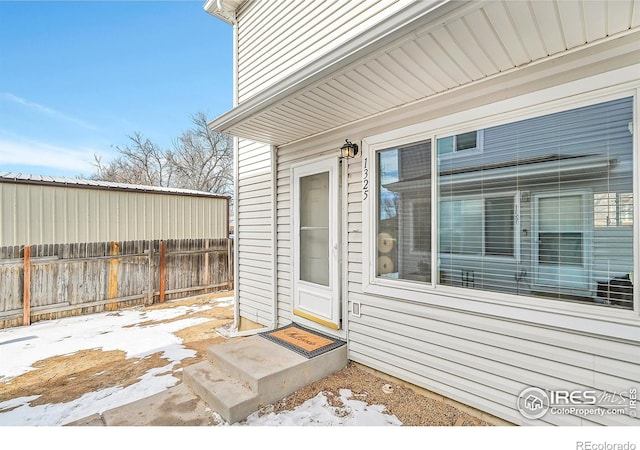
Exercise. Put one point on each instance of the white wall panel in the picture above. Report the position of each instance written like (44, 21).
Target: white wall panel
(254, 232)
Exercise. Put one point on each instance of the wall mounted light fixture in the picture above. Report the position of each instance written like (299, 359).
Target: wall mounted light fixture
(349, 149)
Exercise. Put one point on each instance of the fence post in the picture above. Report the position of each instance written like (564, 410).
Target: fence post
(163, 268)
(206, 263)
(114, 263)
(150, 290)
(26, 293)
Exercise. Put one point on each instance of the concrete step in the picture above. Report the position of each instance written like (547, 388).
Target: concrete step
(231, 399)
(245, 373)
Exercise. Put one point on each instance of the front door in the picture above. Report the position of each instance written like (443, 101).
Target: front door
(316, 255)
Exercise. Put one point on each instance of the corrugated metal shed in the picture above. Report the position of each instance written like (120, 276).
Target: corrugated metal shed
(52, 210)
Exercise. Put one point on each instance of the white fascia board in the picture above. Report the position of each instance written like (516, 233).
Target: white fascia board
(222, 9)
(403, 22)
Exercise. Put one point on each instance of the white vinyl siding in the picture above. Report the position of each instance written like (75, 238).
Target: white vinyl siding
(479, 358)
(253, 232)
(461, 344)
(63, 214)
(486, 362)
(275, 39)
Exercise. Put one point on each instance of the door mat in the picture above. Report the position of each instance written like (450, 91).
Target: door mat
(306, 342)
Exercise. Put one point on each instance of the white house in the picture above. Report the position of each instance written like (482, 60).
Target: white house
(483, 239)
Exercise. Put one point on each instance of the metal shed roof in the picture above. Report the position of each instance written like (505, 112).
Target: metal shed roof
(12, 177)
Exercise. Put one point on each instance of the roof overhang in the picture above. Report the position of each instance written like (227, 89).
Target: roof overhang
(425, 50)
(224, 10)
(403, 22)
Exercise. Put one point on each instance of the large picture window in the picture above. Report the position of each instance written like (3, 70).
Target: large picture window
(541, 207)
(566, 233)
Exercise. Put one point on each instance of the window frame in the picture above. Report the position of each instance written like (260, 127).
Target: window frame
(547, 312)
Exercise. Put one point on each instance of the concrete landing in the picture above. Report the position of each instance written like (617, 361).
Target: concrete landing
(242, 375)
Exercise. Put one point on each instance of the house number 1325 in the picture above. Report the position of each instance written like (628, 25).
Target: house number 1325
(365, 181)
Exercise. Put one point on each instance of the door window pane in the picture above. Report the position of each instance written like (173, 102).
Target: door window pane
(314, 228)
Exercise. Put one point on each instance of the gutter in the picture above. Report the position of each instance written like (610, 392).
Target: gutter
(274, 233)
(401, 23)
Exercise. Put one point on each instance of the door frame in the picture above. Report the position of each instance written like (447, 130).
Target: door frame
(333, 323)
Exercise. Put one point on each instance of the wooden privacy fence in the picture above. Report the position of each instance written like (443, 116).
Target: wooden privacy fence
(43, 282)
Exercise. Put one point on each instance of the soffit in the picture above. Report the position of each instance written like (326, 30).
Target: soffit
(472, 42)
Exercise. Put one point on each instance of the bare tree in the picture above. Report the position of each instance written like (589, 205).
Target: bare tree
(140, 162)
(201, 159)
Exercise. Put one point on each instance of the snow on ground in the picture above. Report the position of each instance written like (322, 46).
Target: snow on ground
(126, 330)
(317, 411)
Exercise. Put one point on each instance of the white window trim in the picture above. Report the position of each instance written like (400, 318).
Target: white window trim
(585, 318)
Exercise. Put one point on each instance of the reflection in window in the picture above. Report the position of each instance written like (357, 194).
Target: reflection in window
(613, 209)
(561, 249)
(567, 233)
(403, 242)
(478, 226)
(459, 143)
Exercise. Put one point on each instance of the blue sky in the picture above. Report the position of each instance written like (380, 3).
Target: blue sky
(78, 77)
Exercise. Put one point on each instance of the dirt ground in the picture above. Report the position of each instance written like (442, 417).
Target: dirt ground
(66, 378)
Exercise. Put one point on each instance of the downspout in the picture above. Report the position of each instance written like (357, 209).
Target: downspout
(236, 235)
(274, 234)
(236, 185)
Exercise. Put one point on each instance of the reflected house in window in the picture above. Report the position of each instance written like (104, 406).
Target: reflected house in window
(538, 207)
(521, 215)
